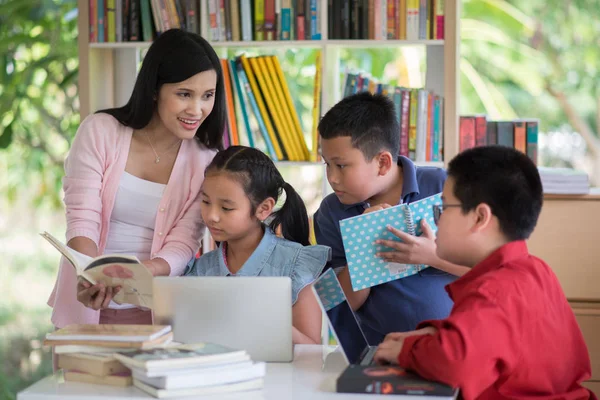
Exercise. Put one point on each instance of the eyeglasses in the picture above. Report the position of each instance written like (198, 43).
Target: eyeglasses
(438, 209)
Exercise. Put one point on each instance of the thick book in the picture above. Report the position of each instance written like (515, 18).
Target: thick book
(98, 364)
(360, 233)
(112, 270)
(254, 384)
(121, 379)
(192, 355)
(111, 336)
(390, 379)
(194, 378)
(109, 332)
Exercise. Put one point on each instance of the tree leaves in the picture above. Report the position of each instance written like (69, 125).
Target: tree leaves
(6, 136)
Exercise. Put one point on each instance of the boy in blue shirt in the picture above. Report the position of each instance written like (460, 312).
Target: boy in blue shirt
(360, 139)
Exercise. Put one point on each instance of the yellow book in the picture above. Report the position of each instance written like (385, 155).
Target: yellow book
(93, 364)
(268, 91)
(292, 109)
(274, 146)
(316, 112)
(288, 120)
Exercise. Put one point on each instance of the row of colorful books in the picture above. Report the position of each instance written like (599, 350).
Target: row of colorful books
(231, 20)
(386, 19)
(146, 357)
(521, 134)
(419, 113)
(260, 109)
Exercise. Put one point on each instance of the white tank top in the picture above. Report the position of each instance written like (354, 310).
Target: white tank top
(132, 221)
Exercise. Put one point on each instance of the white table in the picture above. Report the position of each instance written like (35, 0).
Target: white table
(312, 376)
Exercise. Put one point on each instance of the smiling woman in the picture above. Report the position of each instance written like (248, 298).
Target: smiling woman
(133, 176)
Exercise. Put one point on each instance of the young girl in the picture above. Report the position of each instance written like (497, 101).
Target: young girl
(240, 190)
(133, 176)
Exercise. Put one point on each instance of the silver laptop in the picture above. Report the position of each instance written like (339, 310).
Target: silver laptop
(331, 297)
(247, 313)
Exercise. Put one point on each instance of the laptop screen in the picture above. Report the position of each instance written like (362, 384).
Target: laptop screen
(331, 297)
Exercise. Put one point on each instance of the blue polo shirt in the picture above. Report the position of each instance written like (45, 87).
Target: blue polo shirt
(396, 306)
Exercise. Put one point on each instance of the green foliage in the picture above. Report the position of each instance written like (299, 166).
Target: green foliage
(516, 55)
(38, 96)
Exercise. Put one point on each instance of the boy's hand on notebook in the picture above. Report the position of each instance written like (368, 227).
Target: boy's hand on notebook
(376, 208)
(411, 249)
(96, 296)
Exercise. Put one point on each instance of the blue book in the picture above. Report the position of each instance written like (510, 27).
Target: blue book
(245, 84)
(242, 100)
(360, 233)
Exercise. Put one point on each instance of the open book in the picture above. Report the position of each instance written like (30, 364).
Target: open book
(360, 233)
(113, 270)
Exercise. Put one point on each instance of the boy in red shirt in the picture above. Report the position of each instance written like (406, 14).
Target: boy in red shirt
(511, 332)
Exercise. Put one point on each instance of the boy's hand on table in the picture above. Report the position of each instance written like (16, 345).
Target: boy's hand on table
(429, 330)
(411, 249)
(389, 350)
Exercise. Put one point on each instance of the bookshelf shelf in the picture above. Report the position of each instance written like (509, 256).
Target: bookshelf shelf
(294, 44)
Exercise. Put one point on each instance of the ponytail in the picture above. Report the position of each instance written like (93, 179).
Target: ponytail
(292, 217)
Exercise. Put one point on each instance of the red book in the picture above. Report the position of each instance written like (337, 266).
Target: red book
(466, 133)
(480, 130)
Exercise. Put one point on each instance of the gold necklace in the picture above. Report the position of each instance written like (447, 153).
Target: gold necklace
(157, 159)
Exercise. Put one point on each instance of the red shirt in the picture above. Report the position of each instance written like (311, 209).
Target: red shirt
(511, 334)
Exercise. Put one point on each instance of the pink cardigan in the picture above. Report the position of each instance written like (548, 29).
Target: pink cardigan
(93, 170)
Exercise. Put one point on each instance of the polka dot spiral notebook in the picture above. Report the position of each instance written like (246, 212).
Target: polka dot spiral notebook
(360, 233)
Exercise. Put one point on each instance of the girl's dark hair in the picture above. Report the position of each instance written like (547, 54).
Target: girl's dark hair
(261, 180)
(175, 56)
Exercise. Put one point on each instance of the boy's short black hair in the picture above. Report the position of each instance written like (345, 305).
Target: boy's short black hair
(503, 178)
(370, 120)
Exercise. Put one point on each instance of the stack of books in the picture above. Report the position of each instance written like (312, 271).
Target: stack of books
(520, 134)
(564, 181)
(85, 352)
(192, 370)
(419, 112)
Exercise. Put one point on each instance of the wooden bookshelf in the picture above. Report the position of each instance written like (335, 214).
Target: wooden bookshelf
(107, 71)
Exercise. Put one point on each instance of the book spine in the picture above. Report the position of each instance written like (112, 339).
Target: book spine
(439, 19)
(119, 20)
(134, 21)
(404, 122)
(146, 21)
(93, 20)
(125, 21)
(421, 145)
(235, 21)
(480, 131)
(532, 141)
(315, 32)
(100, 10)
(506, 134)
(235, 68)
(391, 20)
(492, 133)
(259, 20)
(466, 133)
(246, 20)
(436, 129)
(269, 26)
(412, 127)
(520, 136)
